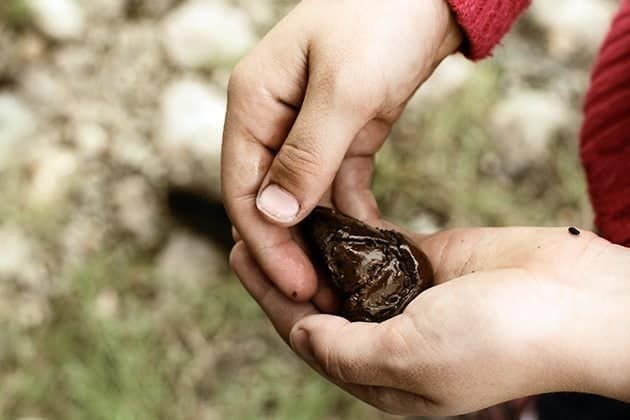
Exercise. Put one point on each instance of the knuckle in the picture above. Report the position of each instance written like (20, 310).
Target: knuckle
(332, 365)
(396, 345)
(295, 164)
(240, 79)
(236, 256)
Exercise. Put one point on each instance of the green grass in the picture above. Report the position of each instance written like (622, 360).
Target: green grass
(167, 353)
(434, 163)
(14, 13)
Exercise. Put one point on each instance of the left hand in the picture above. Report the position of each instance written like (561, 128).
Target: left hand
(515, 312)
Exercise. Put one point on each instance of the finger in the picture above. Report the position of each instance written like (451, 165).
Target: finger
(331, 116)
(361, 353)
(236, 237)
(326, 299)
(265, 91)
(353, 188)
(353, 183)
(283, 312)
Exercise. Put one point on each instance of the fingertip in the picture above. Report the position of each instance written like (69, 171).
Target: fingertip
(300, 343)
(236, 236)
(278, 205)
(326, 299)
(317, 324)
(237, 255)
(304, 289)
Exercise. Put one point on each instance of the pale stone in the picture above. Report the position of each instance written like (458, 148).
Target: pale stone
(206, 33)
(524, 124)
(91, 138)
(53, 169)
(17, 123)
(573, 25)
(189, 259)
(61, 20)
(106, 304)
(19, 259)
(191, 130)
(136, 208)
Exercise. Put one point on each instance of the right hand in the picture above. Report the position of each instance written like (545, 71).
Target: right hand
(515, 312)
(308, 109)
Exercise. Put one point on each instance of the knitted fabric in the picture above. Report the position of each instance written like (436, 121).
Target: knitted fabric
(605, 138)
(485, 22)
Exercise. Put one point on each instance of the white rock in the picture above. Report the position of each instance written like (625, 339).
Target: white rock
(130, 149)
(17, 123)
(91, 138)
(573, 25)
(191, 129)
(44, 89)
(82, 237)
(189, 260)
(19, 259)
(203, 33)
(524, 124)
(106, 304)
(61, 20)
(136, 208)
(53, 173)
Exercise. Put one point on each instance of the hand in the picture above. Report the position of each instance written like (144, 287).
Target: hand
(517, 311)
(310, 106)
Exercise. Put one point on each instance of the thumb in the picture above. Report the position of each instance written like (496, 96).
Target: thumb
(358, 352)
(305, 166)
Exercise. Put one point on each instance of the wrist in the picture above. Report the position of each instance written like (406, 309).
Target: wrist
(453, 34)
(597, 341)
(609, 374)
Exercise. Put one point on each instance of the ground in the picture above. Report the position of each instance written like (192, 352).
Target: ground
(113, 307)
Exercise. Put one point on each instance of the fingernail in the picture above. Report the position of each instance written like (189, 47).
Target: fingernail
(302, 346)
(278, 204)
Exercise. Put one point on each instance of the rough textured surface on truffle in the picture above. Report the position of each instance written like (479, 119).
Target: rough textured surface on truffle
(377, 272)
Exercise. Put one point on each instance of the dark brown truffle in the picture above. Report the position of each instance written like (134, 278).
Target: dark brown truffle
(377, 272)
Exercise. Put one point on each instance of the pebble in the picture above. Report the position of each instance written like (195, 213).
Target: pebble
(60, 20)
(524, 124)
(202, 34)
(17, 123)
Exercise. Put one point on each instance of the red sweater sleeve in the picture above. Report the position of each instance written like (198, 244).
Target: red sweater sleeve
(606, 133)
(485, 22)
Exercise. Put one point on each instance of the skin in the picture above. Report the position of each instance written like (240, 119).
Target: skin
(309, 107)
(517, 311)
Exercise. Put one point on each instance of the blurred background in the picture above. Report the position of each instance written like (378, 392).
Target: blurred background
(116, 301)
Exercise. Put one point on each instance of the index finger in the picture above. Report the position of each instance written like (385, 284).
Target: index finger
(265, 92)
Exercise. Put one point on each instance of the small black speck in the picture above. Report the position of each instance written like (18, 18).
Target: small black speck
(294, 294)
(574, 231)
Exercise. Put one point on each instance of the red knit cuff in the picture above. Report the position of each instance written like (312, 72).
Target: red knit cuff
(605, 146)
(485, 22)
